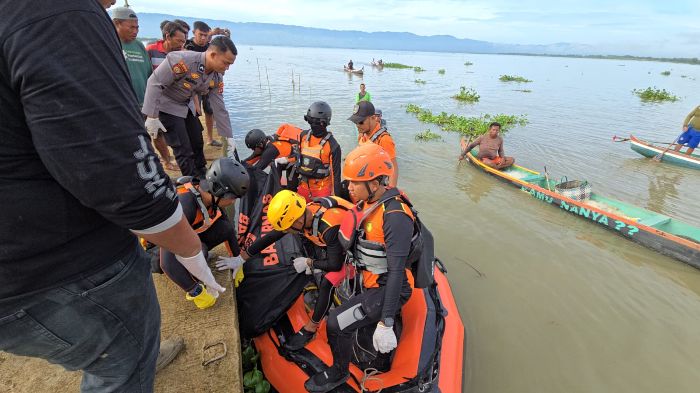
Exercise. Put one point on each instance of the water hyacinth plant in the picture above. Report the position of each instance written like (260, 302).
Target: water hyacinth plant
(428, 135)
(467, 95)
(420, 81)
(470, 126)
(468, 63)
(396, 65)
(441, 71)
(418, 69)
(652, 94)
(513, 78)
(666, 73)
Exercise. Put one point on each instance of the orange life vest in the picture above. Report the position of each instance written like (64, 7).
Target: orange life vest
(287, 139)
(330, 210)
(205, 217)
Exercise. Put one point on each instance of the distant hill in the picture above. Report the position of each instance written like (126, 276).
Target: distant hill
(286, 35)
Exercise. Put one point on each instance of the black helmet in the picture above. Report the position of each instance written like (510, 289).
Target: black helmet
(319, 110)
(226, 178)
(255, 138)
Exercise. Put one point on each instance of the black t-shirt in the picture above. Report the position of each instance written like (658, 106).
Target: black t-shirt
(76, 165)
(190, 45)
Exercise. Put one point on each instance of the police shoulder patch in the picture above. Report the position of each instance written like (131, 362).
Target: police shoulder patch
(180, 68)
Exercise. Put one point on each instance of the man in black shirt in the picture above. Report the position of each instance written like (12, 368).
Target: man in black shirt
(79, 179)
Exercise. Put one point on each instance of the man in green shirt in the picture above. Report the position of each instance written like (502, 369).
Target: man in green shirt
(363, 95)
(139, 64)
(137, 60)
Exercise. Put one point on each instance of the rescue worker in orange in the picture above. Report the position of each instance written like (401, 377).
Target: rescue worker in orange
(371, 130)
(319, 222)
(385, 229)
(282, 147)
(202, 204)
(318, 166)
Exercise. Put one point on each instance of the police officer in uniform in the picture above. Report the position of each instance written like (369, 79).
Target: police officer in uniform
(169, 93)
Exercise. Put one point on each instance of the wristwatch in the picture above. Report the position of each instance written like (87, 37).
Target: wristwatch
(388, 322)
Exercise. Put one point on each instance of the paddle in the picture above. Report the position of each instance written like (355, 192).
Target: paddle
(658, 157)
(546, 177)
(616, 138)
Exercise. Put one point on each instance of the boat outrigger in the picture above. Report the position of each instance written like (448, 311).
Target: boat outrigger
(659, 232)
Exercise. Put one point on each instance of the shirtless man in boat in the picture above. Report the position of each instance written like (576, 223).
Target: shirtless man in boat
(490, 148)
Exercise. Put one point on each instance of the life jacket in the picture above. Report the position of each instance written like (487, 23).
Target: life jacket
(204, 218)
(361, 139)
(330, 210)
(287, 139)
(312, 162)
(367, 247)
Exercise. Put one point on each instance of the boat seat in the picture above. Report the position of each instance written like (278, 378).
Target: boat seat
(655, 220)
(532, 178)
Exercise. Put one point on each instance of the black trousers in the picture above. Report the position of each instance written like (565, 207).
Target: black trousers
(185, 137)
(341, 340)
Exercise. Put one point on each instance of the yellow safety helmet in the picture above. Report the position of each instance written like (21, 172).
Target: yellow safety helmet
(285, 208)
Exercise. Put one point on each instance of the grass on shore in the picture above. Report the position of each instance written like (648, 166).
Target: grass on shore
(513, 78)
(652, 94)
(467, 95)
(470, 126)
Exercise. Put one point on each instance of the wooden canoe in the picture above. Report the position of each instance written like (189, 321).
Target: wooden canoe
(659, 232)
(355, 71)
(672, 157)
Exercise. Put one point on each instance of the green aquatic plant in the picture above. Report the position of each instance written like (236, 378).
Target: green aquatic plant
(418, 69)
(523, 90)
(513, 78)
(652, 94)
(666, 73)
(396, 65)
(471, 126)
(467, 95)
(428, 135)
(468, 63)
(420, 81)
(441, 71)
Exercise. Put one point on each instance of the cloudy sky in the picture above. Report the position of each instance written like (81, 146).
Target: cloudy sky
(646, 27)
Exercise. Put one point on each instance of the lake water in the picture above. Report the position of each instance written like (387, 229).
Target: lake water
(550, 303)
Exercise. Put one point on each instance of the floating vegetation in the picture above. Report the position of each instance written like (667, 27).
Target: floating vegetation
(441, 71)
(467, 95)
(652, 94)
(468, 63)
(684, 76)
(513, 78)
(418, 69)
(428, 135)
(666, 73)
(420, 81)
(523, 90)
(396, 65)
(471, 126)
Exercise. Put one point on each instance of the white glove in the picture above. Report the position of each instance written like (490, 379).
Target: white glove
(153, 124)
(229, 263)
(281, 161)
(231, 151)
(301, 265)
(197, 266)
(384, 339)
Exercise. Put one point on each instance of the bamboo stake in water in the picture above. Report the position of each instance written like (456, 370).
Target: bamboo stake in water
(268, 82)
(299, 76)
(293, 88)
(259, 80)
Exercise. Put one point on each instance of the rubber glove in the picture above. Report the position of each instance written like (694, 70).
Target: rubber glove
(301, 265)
(281, 161)
(384, 339)
(197, 266)
(229, 263)
(153, 124)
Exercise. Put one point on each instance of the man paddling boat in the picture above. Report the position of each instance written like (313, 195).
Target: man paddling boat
(691, 132)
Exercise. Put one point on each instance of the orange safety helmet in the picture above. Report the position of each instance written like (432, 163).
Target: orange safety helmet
(367, 162)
